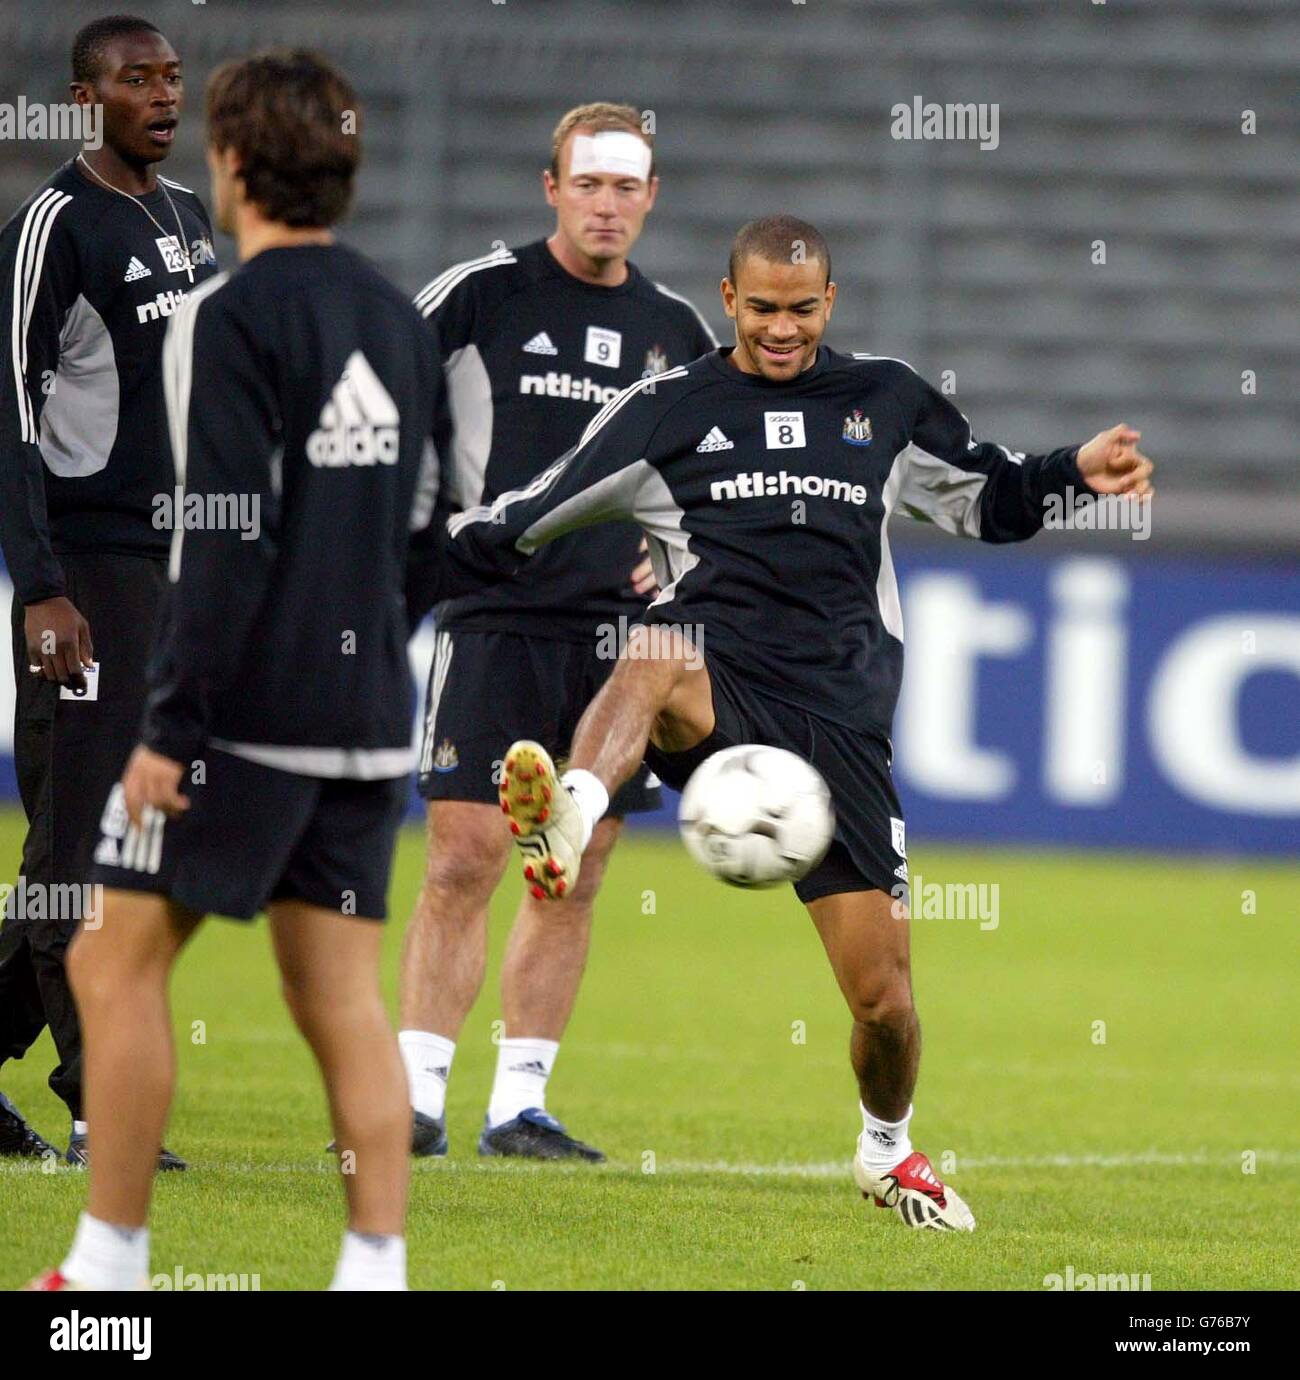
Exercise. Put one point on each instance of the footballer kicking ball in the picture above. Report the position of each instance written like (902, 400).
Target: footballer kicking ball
(756, 816)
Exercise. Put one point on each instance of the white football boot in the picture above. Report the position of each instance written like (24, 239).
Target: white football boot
(913, 1190)
(544, 819)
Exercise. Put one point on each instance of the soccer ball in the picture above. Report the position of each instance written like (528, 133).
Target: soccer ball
(756, 816)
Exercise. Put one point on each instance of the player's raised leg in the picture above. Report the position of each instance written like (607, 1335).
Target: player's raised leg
(119, 970)
(329, 964)
(866, 937)
(659, 692)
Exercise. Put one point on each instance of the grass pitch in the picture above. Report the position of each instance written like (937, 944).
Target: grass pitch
(708, 1058)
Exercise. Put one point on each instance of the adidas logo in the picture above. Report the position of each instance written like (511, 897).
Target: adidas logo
(135, 270)
(540, 344)
(136, 848)
(359, 423)
(532, 1066)
(715, 440)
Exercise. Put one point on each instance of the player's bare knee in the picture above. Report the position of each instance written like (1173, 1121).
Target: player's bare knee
(298, 1006)
(884, 1003)
(317, 1008)
(79, 965)
(652, 664)
(95, 971)
(469, 849)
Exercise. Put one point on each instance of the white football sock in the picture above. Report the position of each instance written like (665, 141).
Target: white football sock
(428, 1066)
(590, 796)
(107, 1257)
(884, 1143)
(370, 1263)
(523, 1066)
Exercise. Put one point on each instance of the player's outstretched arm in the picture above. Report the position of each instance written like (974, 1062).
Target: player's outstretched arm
(602, 479)
(983, 490)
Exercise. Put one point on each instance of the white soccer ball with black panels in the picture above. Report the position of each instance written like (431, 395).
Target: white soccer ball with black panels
(756, 816)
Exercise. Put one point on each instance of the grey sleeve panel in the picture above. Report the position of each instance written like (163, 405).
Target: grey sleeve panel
(79, 421)
(887, 595)
(425, 498)
(935, 491)
(607, 500)
(637, 492)
(469, 397)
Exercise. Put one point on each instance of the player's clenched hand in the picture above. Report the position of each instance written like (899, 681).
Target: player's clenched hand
(152, 779)
(643, 573)
(58, 641)
(1112, 463)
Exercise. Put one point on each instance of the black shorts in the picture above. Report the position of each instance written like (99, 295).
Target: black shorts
(254, 834)
(488, 688)
(868, 852)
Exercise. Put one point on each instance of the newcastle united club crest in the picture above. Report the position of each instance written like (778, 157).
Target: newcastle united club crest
(857, 429)
(655, 362)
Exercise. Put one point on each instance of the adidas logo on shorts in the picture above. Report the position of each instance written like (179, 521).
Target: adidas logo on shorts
(134, 848)
(359, 423)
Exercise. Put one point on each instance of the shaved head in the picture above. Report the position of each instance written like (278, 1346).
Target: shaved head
(779, 240)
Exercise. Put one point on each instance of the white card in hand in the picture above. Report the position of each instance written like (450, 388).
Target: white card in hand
(91, 692)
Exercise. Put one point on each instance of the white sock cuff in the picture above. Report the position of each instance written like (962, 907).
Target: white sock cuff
(871, 1121)
(427, 1042)
(590, 795)
(884, 1143)
(527, 1044)
(427, 1059)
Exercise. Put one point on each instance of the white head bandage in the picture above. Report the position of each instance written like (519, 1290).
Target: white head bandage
(616, 151)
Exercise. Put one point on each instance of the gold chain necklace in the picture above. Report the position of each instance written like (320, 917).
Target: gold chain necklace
(180, 231)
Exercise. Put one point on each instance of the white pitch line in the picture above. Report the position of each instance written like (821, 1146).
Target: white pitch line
(834, 1169)
(825, 1169)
